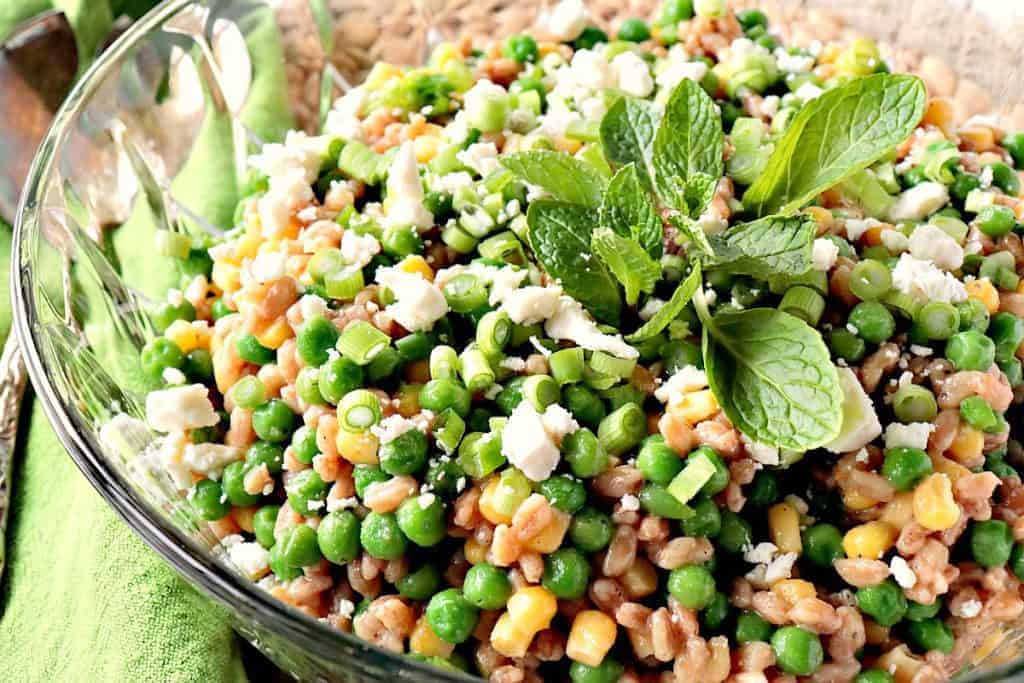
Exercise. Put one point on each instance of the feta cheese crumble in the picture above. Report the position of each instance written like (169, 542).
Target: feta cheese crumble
(926, 282)
(919, 202)
(573, 323)
(824, 254)
(180, 408)
(358, 250)
(418, 303)
(902, 573)
(531, 440)
(930, 243)
(913, 435)
(566, 20)
(405, 192)
(685, 380)
(531, 305)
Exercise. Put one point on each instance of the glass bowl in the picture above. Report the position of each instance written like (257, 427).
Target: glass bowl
(120, 162)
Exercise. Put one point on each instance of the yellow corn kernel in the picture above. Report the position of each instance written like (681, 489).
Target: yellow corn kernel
(899, 511)
(988, 645)
(640, 580)
(567, 145)
(359, 448)
(858, 501)
(247, 246)
(506, 639)
(275, 334)
(695, 407)
(794, 590)
(486, 504)
(900, 663)
(984, 291)
(592, 635)
(408, 398)
(426, 148)
(934, 507)
(381, 73)
(951, 469)
(941, 115)
(784, 527)
(425, 642)
(829, 53)
(243, 517)
(445, 53)
(475, 551)
(227, 276)
(531, 609)
(968, 444)
(1020, 287)
(978, 138)
(869, 540)
(417, 264)
(550, 537)
(182, 333)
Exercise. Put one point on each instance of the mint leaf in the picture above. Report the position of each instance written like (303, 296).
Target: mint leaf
(766, 247)
(633, 267)
(689, 141)
(688, 229)
(841, 132)
(627, 209)
(672, 308)
(773, 377)
(698, 191)
(627, 135)
(564, 177)
(560, 235)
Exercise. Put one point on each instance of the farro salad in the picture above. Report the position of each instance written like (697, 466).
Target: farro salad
(668, 355)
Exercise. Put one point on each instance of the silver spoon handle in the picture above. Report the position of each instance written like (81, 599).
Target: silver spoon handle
(13, 380)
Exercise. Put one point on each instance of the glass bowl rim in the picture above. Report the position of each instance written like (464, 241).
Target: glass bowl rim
(177, 548)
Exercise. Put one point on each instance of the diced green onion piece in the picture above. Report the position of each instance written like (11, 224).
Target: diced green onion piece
(904, 303)
(698, 471)
(325, 262)
(465, 293)
(596, 380)
(584, 130)
(567, 365)
(361, 341)
(249, 392)
(480, 454)
(173, 244)
(607, 364)
(623, 429)
(476, 221)
(360, 162)
(487, 112)
(358, 410)
(493, 332)
(457, 238)
(444, 362)
(541, 391)
(449, 429)
(804, 303)
(344, 284)
(954, 227)
(477, 373)
(520, 227)
(384, 364)
(503, 246)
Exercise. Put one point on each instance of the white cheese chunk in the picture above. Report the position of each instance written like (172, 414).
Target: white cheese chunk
(807, 92)
(913, 435)
(482, 157)
(209, 458)
(633, 75)
(651, 308)
(249, 557)
(926, 282)
(895, 241)
(566, 20)
(629, 502)
(686, 379)
(311, 306)
(860, 421)
(930, 243)
(418, 303)
(968, 609)
(343, 120)
(392, 427)
(855, 227)
(824, 254)
(919, 202)
(180, 408)
(358, 250)
(527, 445)
(405, 192)
(268, 266)
(573, 323)
(531, 305)
(558, 421)
(902, 573)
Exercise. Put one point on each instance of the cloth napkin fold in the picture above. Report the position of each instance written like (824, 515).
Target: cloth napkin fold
(83, 599)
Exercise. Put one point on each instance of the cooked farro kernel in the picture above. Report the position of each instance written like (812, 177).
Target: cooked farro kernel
(479, 431)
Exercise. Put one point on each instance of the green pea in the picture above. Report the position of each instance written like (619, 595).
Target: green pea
(274, 421)
(510, 395)
(973, 315)
(658, 461)
(317, 336)
(405, 454)
(250, 350)
(304, 445)
(299, 546)
(736, 532)
(905, 467)
(873, 676)
(167, 313)
(585, 405)
(658, 501)
(917, 611)
(158, 355)
(706, 520)
(883, 602)
(590, 37)
(439, 395)
(381, 536)
(306, 492)
(1007, 333)
(1017, 560)
(870, 280)
(401, 241)
(233, 483)
(674, 11)
(996, 221)
(263, 523)
(1005, 178)
(584, 453)
(608, 671)
(451, 616)
(423, 524)
(751, 627)
(339, 376)
(797, 650)
(420, 584)
(634, 30)
(266, 453)
(991, 542)
(692, 585)
(486, 586)
(846, 345)
(280, 567)
(931, 634)
(714, 615)
(198, 365)
(971, 350)
(752, 18)
(963, 185)
(590, 530)
(823, 544)
(366, 475)
(566, 573)
(219, 309)
(937, 320)
(564, 493)
(443, 475)
(209, 500)
(521, 48)
(338, 536)
(873, 321)
(764, 490)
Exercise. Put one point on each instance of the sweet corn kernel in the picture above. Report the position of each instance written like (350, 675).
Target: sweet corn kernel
(532, 608)
(950, 468)
(794, 590)
(696, 406)
(182, 333)
(858, 501)
(934, 507)
(426, 148)
(417, 264)
(567, 145)
(380, 74)
(900, 663)
(968, 445)
(507, 640)
(592, 635)
(475, 551)
(243, 517)
(443, 54)
(359, 448)
(408, 400)
(227, 276)
(899, 511)
(424, 641)
(822, 216)
(486, 504)
(275, 334)
(978, 138)
(784, 527)
(640, 580)
(829, 53)
(550, 537)
(247, 246)
(869, 540)
(984, 291)
(988, 645)
(941, 115)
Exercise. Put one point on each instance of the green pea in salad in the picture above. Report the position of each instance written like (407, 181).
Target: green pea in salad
(671, 355)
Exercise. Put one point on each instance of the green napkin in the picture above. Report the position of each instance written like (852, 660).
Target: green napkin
(83, 599)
